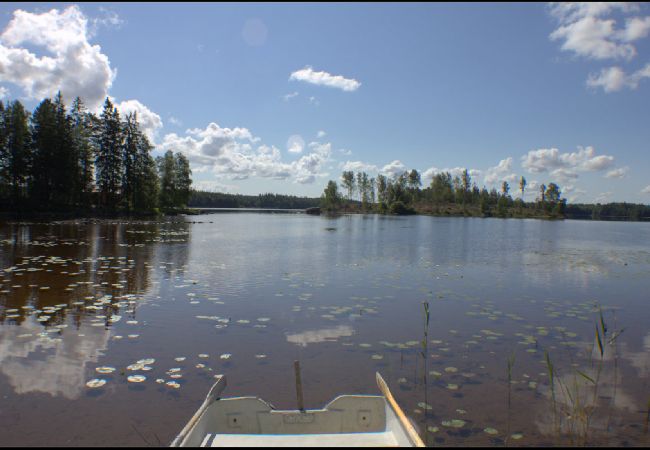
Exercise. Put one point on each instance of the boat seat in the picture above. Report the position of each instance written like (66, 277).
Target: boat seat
(381, 439)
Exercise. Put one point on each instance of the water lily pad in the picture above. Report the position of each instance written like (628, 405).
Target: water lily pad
(377, 357)
(451, 369)
(516, 436)
(455, 423)
(173, 384)
(96, 383)
(180, 359)
(136, 378)
(433, 429)
(452, 387)
(490, 430)
(105, 369)
(225, 356)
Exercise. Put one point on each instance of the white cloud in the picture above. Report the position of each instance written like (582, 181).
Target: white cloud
(288, 97)
(571, 192)
(325, 79)
(174, 121)
(585, 31)
(617, 173)
(646, 190)
(71, 64)
(501, 172)
(613, 79)
(393, 169)
(320, 134)
(229, 152)
(4, 92)
(345, 151)
(212, 186)
(429, 173)
(358, 166)
(150, 122)
(635, 28)
(295, 144)
(565, 165)
(109, 19)
(313, 101)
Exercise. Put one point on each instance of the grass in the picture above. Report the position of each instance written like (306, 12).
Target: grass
(580, 390)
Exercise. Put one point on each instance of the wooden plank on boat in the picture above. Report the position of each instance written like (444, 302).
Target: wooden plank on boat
(406, 424)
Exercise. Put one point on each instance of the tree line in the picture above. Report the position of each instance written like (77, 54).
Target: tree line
(446, 194)
(54, 159)
(204, 199)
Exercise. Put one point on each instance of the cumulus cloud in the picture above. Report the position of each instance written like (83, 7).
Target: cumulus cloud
(393, 169)
(646, 190)
(150, 122)
(613, 79)
(70, 63)
(617, 173)
(234, 153)
(429, 173)
(585, 31)
(323, 78)
(4, 92)
(565, 165)
(320, 134)
(569, 191)
(358, 166)
(295, 144)
(501, 172)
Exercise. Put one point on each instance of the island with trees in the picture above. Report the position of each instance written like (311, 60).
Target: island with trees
(459, 196)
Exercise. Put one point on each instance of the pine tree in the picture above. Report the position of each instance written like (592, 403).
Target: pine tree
(82, 133)
(16, 158)
(44, 153)
(183, 180)
(109, 161)
(166, 169)
(66, 173)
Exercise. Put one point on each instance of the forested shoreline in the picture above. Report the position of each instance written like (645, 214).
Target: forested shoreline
(56, 160)
(402, 194)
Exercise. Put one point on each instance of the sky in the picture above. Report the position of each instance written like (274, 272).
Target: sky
(284, 97)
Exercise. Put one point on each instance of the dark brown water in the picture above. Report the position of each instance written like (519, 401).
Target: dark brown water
(345, 297)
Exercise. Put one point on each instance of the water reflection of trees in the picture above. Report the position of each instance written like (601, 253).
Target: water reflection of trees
(94, 271)
(67, 263)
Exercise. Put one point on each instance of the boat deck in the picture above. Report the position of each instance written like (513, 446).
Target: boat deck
(380, 439)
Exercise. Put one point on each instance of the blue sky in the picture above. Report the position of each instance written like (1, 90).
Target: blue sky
(282, 97)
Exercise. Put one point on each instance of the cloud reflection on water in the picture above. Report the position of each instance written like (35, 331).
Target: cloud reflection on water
(322, 335)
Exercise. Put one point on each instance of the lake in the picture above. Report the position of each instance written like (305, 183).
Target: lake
(247, 294)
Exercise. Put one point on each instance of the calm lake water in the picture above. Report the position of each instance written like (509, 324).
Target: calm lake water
(342, 295)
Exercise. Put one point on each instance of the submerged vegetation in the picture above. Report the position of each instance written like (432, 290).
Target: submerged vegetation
(59, 160)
